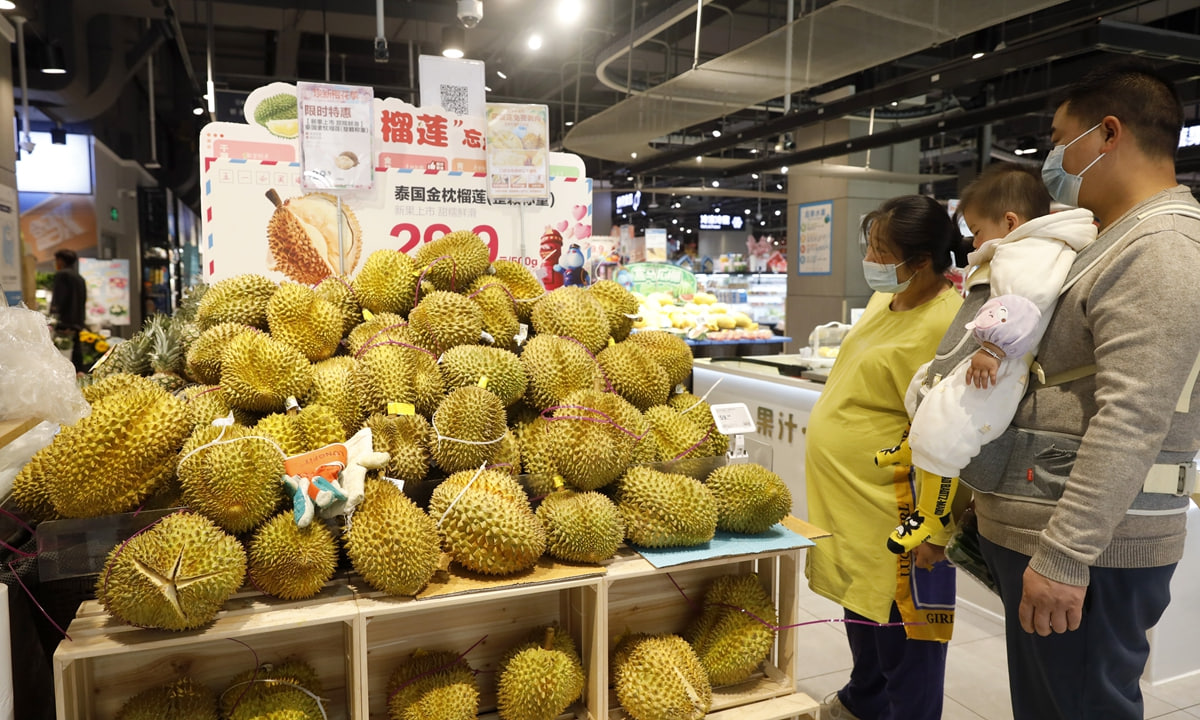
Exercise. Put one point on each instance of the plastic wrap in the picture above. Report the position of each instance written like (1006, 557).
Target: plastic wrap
(36, 381)
(17, 453)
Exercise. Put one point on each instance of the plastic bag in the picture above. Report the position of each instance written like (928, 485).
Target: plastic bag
(17, 453)
(36, 381)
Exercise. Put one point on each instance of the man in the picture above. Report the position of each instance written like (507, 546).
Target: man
(67, 301)
(1082, 546)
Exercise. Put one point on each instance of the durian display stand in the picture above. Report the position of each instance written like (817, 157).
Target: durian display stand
(355, 637)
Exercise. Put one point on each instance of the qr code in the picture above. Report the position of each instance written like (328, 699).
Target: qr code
(454, 99)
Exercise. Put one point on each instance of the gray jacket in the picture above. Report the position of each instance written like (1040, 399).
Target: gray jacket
(1133, 316)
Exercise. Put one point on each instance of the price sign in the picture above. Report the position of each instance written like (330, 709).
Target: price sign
(733, 419)
(335, 125)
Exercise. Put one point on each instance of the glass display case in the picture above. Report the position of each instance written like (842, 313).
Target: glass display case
(762, 296)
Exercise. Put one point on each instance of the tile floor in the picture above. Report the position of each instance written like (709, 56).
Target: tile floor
(976, 674)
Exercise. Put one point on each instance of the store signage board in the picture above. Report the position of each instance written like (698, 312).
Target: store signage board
(648, 278)
(430, 180)
(656, 245)
(107, 290)
(456, 85)
(336, 126)
(815, 254)
(629, 201)
(518, 151)
(721, 222)
(10, 246)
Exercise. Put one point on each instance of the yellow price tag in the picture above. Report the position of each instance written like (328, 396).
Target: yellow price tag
(368, 315)
(611, 342)
(400, 408)
(558, 482)
(483, 381)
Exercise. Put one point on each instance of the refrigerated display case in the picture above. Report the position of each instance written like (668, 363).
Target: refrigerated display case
(762, 296)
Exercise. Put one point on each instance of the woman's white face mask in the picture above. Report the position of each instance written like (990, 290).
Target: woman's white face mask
(882, 278)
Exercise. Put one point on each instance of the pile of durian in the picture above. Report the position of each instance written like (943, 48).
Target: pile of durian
(516, 422)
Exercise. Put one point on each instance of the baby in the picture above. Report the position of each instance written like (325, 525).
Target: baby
(1022, 253)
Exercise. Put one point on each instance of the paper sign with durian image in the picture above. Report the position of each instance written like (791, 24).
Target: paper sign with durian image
(335, 123)
(518, 150)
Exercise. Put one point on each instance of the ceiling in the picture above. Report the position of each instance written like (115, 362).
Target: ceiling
(630, 77)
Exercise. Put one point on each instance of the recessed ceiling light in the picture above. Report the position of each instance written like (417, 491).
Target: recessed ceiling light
(976, 56)
(569, 123)
(778, 213)
(569, 11)
(784, 169)
(762, 222)
(699, 158)
(753, 176)
(501, 74)
(534, 42)
(753, 151)
(7, 5)
(716, 133)
(674, 221)
(716, 183)
(778, 186)
(633, 155)
(198, 110)
(747, 211)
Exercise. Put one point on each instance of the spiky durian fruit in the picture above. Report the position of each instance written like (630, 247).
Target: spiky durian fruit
(302, 237)
(31, 490)
(508, 455)
(336, 290)
(291, 562)
(728, 637)
(206, 403)
(619, 305)
(433, 685)
(556, 368)
(750, 498)
(406, 439)
(242, 300)
(182, 699)
(260, 373)
(539, 680)
(468, 426)
(453, 261)
(659, 677)
(581, 527)
(381, 328)
(668, 350)
(204, 356)
(313, 427)
(537, 456)
(115, 384)
(572, 312)
(499, 309)
(700, 412)
(113, 459)
(665, 510)
(130, 357)
(444, 320)
(392, 543)
(592, 437)
(675, 436)
(287, 691)
(236, 483)
(635, 375)
(174, 576)
(523, 285)
(470, 365)
(332, 387)
(386, 283)
(392, 373)
(300, 319)
(486, 522)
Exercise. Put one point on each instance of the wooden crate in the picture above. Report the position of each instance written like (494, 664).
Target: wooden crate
(105, 662)
(394, 627)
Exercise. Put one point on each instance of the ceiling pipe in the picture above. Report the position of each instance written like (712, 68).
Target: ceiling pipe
(153, 164)
(27, 142)
(210, 83)
(381, 47)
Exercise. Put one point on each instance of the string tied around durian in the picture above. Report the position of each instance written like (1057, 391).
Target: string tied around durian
(604, 419)
(476, 476)
(270, 681)
(592, 355)
(381, 343)
(776, 628)
(437, 669)
(441, 437)
(371, 339)
(226, 423)
(427, 268)
(206, 391)
(703, 398)
(500, 285)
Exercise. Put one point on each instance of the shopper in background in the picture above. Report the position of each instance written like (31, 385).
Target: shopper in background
(1084, 557)
(896, 675)
(67, 301)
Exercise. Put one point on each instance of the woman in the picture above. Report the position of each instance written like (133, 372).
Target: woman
(895, 675)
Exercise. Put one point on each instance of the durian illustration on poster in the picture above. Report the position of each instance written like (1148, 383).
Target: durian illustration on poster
(430, 180)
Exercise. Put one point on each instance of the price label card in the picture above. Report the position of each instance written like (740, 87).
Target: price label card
(335, 125)
(733, 419)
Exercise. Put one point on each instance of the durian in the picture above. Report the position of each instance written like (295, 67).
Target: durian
(728, 637)
(433, 685)
(523, 285)
(313, 427)
(443, 320)
(592, 437)
(659, 677)
(700, 412)
(619, 304)
(300, 319)
(242, 299)
(392, 373)
(540, 680)
(750, 498)
(635, 375)
(381, 328)
(406, 439)
(392, 543)
(581, 526)
(453, 261)
(468, 425)
(206, 403)
(31, 490)
(508, 455)
(486, 522)
(537, 452)
(259, 373)
(556, 368)
(499, 310)
(204, 356)
(287, 691)
(302, 237)
(174, 576)
(668, 350)
(336, 290)
(332, 387)
(571, 312)
(386, 283)
(236, 482)
(675, 435)
(291, 562)
(182, 699)
(469, 364)
(114, 384)
(665, 510)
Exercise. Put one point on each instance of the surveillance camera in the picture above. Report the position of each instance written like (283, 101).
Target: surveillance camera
(27, 146)
(470, 12)
(381, 50)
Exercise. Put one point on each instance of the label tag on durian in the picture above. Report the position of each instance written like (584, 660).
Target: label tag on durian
(225, 421)
(633, 316)
(398, 483)
(483, 381)
(292, 406)
(368, 315)
(611, 342)
(733, 418)
(487, 337)
(558, 482)
(401, 408)
(522, 334)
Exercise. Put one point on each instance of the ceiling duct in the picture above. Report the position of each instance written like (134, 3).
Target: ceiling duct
(848, 36)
